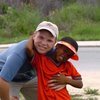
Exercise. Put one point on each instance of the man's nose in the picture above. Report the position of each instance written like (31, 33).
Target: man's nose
(44, 42)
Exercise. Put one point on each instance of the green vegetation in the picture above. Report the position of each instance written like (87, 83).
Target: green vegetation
(90, 98)
(89, 94)
(91, 91)
(78, 21)
(17, 24)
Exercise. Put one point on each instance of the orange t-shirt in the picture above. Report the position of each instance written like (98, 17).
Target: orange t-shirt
(46, 69)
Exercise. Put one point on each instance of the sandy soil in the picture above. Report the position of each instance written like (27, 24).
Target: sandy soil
(91, 80)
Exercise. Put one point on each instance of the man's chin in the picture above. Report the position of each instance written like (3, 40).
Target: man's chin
(42, 52)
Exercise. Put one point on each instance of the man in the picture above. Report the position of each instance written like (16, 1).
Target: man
(16, 73)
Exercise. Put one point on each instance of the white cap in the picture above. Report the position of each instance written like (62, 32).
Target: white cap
(52, 28)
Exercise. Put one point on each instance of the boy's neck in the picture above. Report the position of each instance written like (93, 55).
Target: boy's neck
(53, 59)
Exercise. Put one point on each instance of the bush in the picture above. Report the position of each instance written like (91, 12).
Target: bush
(78, 21)
(91, 91)
(17, 22)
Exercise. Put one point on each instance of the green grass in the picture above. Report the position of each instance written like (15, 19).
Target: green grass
(89, 94)
(6, 40)
(18, 22)
(91, 91)
(78, 21)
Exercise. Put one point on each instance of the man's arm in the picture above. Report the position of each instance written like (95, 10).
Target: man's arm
(30, 48)
(4, 90)
(8, 72)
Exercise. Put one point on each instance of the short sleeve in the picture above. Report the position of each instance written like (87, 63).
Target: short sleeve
(73, 72)
(11, 67)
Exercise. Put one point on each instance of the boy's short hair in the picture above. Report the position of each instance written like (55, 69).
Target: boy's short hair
(49, 26)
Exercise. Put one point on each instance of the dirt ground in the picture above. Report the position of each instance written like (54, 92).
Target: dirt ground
(90, 80)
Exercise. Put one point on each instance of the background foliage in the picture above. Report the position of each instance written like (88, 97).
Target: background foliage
(80, 20)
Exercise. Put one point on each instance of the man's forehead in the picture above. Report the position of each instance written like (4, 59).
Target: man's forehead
(44, 33)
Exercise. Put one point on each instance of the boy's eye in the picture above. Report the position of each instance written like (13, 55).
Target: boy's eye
(66, 51)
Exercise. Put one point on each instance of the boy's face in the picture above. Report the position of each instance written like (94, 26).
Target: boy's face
(44, 41)
(63, 53)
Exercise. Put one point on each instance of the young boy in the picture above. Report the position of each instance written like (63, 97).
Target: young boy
(55, 64)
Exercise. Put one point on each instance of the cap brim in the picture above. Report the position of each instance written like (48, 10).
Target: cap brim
(75, 56)
(48, 29)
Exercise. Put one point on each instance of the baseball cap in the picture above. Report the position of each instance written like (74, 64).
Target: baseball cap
(75, 56)
(51, 27)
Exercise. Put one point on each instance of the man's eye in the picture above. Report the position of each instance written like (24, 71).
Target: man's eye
(41, 37)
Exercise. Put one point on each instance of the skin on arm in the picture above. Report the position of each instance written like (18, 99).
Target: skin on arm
(74, 82)
(62, 79)
(4, 90)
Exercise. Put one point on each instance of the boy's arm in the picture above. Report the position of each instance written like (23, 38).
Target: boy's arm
(74, 82)
(4, 90)
(64, 80)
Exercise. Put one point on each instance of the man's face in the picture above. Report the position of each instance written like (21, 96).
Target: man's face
(44, 41)
(63, 53)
